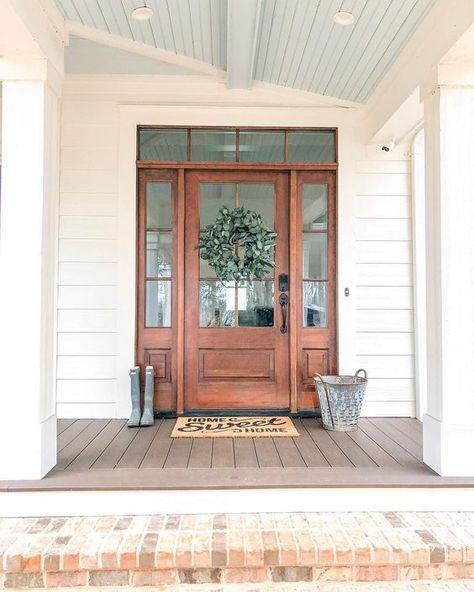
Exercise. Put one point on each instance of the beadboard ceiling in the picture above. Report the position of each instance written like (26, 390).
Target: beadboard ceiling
(295, 43)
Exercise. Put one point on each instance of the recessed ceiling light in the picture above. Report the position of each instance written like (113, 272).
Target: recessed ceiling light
(344, 18)
(142, 13)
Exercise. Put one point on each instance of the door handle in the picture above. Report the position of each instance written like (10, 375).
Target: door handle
(284, 312)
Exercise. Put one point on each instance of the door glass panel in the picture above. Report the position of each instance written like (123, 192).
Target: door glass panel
(261, 146)
(315, 206)
(255, 301)
(213, 197)
(216, 304)
(158, 205)
(158, 304)
(315, 255)
(317, 146)
(314, 304)
(213, 145)
(158, 254)
(259, 197)
(163, 144)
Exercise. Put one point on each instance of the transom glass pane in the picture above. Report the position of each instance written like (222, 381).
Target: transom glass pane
(213, 145)
(315, 206)
(158, 205)
(314, 304)
(216, 304)
(255, 302)
(261, 146)
(315, 255)
(163, 144)
(158, 254)
(158, 304)
(317, 146)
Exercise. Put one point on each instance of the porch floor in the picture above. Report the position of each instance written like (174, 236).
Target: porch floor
(106, 454)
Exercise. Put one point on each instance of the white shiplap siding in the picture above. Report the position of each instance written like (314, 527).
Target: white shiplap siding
(87, 291)
(384, 284)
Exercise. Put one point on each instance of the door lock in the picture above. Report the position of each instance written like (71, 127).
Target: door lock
(283, 282)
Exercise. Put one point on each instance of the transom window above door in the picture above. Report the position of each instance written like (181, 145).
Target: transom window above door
(244, 145)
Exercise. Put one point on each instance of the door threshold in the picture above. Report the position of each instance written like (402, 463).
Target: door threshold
(238, 413)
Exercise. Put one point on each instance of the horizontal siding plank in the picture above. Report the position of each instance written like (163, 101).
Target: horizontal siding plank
(71, 297)
(91, 227)
(384, 320)
(87, 250)
(87, 321)
(91, 158)
(383, 166)
(376, 274)
(78, 113)
(374, 206)
(83, 344)
(85, 411)
(387, 366)
(88, 204)
(390, 389)
(88, 181)
(86, 367)
(385, 229)
(382, 184)
(87, 391)
(85, 135)
(385, 344)
(388, 409)
(87, 274)
(383, 251)
(384, 297)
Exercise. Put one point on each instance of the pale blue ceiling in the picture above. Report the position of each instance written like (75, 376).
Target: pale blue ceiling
(298, 44)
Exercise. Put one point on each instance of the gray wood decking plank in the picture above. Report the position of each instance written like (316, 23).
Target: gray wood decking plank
(63, 424)
(288, 452)
(331, 451)
(201, 453)
(135, 453)
(72, 432)
(223, 453)
(311, 454)
(245, 454)
(115, 450)
(409, 427)
(388, 444)
(267, 454)
(376, 453)
(158, 451)
(74, 448)
(400, 437)
(178, 455)
(352, 450)
(94, 449)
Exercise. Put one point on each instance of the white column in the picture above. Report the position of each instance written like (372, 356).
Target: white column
(30, 174)
(448, 427)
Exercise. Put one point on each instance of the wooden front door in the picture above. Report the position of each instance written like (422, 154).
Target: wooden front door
(236, 342)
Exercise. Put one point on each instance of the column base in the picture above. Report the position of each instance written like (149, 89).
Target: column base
(447, 448)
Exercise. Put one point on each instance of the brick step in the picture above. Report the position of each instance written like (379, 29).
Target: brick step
(234, 549)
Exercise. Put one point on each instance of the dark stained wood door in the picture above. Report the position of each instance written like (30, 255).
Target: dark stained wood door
(236, 356)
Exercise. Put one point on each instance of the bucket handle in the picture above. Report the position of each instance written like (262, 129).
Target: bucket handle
(361, 370)
(318, 376)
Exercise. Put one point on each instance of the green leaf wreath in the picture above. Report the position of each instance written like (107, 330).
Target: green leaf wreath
(239, 245)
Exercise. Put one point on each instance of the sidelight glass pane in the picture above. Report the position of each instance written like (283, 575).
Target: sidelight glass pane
(315, 255)
(314, 304)
(256, 306)
(317, 146)
(158, 254)
(213, 145)
(158, 205)
(213, 197)
(315, 206)
(163, 144)
(158, 304)
(261, 146)
(259, 197)
(216, 304)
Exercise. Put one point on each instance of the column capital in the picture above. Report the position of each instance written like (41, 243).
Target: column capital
(456, 75)
(30, 69)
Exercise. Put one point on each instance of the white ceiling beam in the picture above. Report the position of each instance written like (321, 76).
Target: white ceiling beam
(135, 47)
(243, 18)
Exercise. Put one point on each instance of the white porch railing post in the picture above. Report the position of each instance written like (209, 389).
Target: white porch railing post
(28, 238)
(448, 427)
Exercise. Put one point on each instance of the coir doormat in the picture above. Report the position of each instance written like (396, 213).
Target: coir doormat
(234, 427)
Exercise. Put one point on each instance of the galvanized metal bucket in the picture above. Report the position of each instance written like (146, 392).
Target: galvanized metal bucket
(340, 399)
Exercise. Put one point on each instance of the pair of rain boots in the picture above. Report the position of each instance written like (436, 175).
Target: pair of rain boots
(137, 417)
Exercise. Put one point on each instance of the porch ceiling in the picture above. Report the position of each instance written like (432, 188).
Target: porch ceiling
(293, 43)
